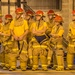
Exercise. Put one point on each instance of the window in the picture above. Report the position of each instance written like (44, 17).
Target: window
(45, 4)
(7, 6)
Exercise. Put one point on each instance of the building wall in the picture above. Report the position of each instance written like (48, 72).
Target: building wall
(65, 12)
(42, 4)
(45, 5)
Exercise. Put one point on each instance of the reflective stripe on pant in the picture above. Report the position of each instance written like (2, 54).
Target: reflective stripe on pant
(60, 58)
(7, 46)
(71, 48)
(23, 59)
(39, 51)
(43, 60)
(58, 51)
(43, 57)
(12, 61)
(54, 60)
(70, 58)
(2, 59)
(35, 62)
(23, 55)
(70, 54)
(7, 60)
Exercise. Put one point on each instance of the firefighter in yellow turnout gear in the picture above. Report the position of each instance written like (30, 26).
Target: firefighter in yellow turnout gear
(51, 16)
(71, 46)
(19, 29)
(1, 26)
(30, 21)
(6, 40)
(2, 53)
(56, 40)
(39, 42)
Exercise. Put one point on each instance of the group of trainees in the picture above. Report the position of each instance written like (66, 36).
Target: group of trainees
(32, 40)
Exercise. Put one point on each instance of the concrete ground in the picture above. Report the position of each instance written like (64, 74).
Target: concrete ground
(29, 72)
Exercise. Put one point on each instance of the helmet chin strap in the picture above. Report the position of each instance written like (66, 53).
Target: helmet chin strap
(39, 21)
(73, 20)
(51, 18)
(6, 23)
(18, 17)
(29, 19)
